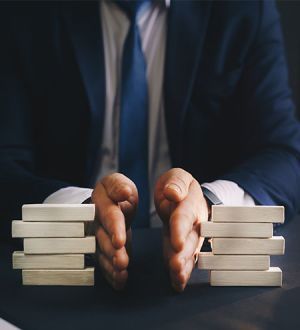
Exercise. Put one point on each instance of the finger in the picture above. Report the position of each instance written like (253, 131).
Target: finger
(120, 279)
(121, 259)
(119, 188)
(104, 243)
(185, 217)
(128, 210)
(106, 265)
(165, 209)
(115, 278)
(178, 260)
(180, 280)
(110, 216)
(118, 257)
(176, 184)
(176, 285)
(123, 192)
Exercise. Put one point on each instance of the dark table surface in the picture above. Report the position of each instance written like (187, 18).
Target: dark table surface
(149, 303)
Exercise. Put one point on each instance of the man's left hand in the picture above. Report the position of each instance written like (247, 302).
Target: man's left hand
(182, 207)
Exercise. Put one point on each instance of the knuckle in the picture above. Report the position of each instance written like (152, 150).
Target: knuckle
(118, 179)
(110, 179)
(119, 187)
(179, 182)
(118, 183)
(121, 262)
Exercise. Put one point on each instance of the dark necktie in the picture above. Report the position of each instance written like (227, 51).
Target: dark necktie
(133, 141)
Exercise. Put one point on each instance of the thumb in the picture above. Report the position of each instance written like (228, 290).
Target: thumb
(176, 184)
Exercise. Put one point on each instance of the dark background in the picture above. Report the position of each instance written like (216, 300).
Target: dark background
(290, 19)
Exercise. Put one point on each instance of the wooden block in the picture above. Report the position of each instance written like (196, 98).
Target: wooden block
(55, 261)
(58, 212)
(270, 277)
(47, 229)
(222, 213)
(212, 229)
(80, 277)
(209, 261)
(271, 246)
(59, 245)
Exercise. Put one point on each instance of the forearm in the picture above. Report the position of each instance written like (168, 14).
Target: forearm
(271, 178)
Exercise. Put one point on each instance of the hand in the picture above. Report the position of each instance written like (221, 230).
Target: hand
(115, 199)
(182, 207)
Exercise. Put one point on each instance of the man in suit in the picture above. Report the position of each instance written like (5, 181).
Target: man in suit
(119, 101)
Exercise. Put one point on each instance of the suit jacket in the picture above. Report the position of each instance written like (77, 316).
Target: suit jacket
(228, 107)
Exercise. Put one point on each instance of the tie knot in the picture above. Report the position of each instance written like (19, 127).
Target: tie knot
(131, 7)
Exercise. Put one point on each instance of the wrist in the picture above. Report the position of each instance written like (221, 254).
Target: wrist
(208, 206)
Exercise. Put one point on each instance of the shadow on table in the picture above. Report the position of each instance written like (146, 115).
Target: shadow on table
(148, 301)
(288, 304)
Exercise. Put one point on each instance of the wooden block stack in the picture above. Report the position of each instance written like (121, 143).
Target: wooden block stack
(242, 242)
(55, 244)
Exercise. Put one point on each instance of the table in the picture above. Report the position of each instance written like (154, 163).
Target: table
(149, 302)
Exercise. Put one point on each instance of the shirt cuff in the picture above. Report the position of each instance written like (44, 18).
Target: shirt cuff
(69, 195)
(230, 193)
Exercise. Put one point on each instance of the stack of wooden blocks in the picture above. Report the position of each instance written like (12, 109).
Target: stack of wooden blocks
(55, 244)
(242, 241)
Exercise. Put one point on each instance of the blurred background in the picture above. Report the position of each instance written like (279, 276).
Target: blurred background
(290, 18)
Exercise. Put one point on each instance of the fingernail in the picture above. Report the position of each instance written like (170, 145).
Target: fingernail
(175, 187)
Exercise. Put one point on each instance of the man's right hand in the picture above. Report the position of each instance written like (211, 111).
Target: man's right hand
(115, 198)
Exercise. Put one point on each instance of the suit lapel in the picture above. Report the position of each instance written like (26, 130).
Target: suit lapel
(187, 22)
(84, 25)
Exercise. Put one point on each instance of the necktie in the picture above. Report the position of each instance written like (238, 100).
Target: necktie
(133, 138)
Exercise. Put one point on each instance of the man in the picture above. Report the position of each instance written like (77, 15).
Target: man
(172, 94)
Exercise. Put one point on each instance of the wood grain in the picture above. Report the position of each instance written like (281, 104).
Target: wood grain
(59, 245)
(76, 277)
(56, 261)
(209, 261)
(211, 229)
(270, 277)
(47, 229)
(222, 213)
(58, 212)
(271, 246)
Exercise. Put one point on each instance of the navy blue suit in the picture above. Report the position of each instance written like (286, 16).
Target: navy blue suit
(228, 107)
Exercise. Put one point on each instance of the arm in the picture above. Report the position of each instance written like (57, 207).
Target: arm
(271, 142)
(19, 177)
(271, 175)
